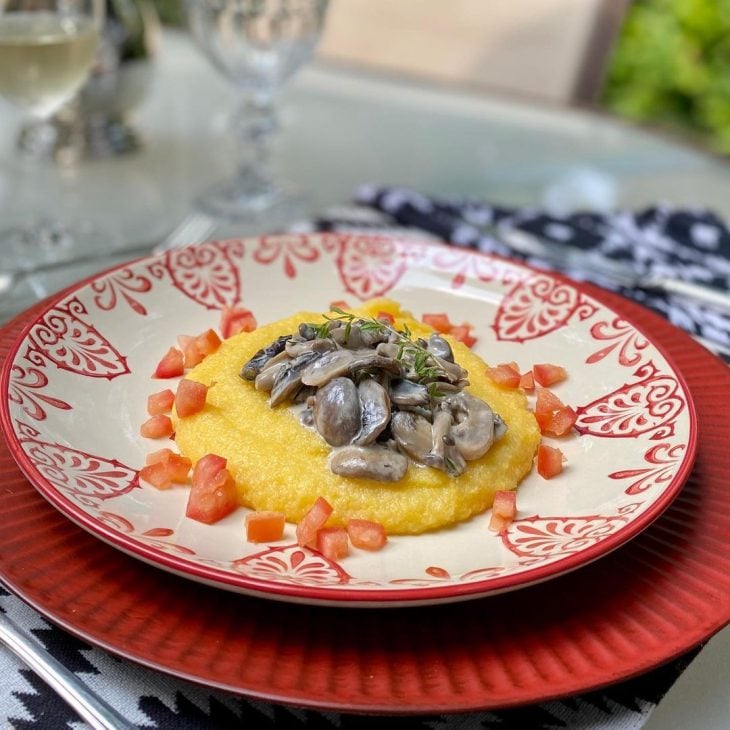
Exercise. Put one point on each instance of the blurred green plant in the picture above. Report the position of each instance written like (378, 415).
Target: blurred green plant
(171, 11)
(672, 66)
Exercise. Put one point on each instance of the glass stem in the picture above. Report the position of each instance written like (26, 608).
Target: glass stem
(254, 126)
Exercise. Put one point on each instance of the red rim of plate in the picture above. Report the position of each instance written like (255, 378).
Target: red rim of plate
(344, 596)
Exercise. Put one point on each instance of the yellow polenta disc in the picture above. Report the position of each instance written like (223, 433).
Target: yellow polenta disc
(280, 465)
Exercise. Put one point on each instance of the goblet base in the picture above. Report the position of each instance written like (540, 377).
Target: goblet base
(27, 247)
(257, 202)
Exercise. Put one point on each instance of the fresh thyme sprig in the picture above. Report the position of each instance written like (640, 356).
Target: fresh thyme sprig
(423, 362)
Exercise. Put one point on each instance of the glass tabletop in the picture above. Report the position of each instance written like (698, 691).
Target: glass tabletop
(342, 128)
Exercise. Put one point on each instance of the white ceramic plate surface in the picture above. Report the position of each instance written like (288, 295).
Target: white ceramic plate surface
(78, 379)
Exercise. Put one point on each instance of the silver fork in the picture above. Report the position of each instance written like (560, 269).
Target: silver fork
(598, 267)
(91, 708)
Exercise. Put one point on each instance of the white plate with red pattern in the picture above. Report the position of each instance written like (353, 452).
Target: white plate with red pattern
(77, 380)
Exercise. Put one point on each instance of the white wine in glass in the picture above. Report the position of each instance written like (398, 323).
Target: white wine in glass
(47, 50)
(44, 59)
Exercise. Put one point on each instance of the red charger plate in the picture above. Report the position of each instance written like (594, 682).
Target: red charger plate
(644, 604)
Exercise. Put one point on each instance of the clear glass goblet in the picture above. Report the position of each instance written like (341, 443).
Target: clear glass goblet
(47, 49)
(258, 45)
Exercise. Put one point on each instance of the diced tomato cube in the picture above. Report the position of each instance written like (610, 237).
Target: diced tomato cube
(547, 374)
(178, 467)
(190, 397)
(366, 534)
(339, 304)
(527, 382)
(313, 521)
(463, 333)
(208, 342)
(386, 317)
(156, 427)
(333, 542)
(184, 340)
(156, 474)
(504, 375)
(439, 321)
(504, 510)
(553, 417)
(169, 468)
(154, 457)
(549, 461)
(192, 356)
(207, 467)
(160, 402)
(264, 526)
(235, 320)
(213, 498)
(171, 364)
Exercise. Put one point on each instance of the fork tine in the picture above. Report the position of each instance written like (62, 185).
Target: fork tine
(192, 229)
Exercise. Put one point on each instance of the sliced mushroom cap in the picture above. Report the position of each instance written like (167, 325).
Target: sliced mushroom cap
(298, 347)
(412, 433)
(500, 427)
(337, 412)
(349, 336)
(254, 366)
(368, 359)
(408, 393)
(329, 366)
(388, 349)
(439, 434)
(372, 336)
(453, 372)
(438, 346)
(265, 379)
(288, 380)
(473, 431)
(308, 331)
(369, 462)
(374, 411)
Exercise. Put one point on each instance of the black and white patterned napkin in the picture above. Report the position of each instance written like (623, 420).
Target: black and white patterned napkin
(690, 245)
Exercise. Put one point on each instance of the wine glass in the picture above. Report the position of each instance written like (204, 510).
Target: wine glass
(258, 45)
(47, 48)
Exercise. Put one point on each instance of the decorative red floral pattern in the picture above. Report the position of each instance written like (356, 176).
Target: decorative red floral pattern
(64, 339)
(620, 334)
(370, 266)
(23, 390)
(649, 405)
(439, 575)
(211, 275)
(84, 478)
(208, 274)
(121, 284)
(664, 459)
(292, 564)
(549, 537)
(149, 537)
(537, 306)
(466, 265)
(289, 248)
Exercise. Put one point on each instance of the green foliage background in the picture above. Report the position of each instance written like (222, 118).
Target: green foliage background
(671, 66)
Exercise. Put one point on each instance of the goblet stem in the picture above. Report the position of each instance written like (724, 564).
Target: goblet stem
(253, 189)
(254, 126)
